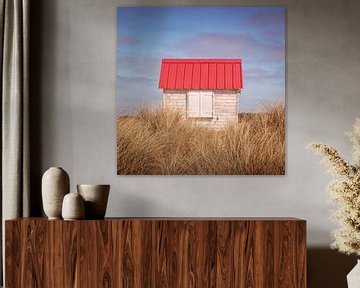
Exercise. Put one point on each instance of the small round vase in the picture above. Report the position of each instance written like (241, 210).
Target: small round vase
(96, 198)
(73, 207)
(55, 185)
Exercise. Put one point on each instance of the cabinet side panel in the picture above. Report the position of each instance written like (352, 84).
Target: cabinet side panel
(301, 253)
(285, 254)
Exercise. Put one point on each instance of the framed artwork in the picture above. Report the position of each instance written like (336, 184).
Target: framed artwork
(200, 91)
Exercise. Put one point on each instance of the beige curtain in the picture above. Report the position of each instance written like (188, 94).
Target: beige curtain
(14, 38)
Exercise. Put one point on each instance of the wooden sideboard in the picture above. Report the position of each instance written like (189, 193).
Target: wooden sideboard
(156, 252)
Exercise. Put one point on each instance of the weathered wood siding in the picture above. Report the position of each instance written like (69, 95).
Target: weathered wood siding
(175, 99)
(225, 109)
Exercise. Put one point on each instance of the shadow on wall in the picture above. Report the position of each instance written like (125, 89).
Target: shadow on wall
(35, 64)
(45, 48)
(328, 268)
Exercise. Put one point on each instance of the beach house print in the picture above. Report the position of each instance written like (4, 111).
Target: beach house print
(205, 90)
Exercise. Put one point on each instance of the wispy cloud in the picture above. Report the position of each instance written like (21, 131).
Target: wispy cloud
(260, 74)
(230, 45)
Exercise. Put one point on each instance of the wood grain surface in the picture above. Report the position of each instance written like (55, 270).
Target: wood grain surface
(159, 252)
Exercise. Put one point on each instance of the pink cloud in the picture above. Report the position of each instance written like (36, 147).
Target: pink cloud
(260, 74)
(128, 41)
(218, 44)
(230, 45)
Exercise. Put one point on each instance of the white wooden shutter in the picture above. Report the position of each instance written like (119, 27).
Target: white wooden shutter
(206, 104)
(193, 105)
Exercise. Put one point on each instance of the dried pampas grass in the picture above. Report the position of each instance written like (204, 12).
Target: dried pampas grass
(345, 192)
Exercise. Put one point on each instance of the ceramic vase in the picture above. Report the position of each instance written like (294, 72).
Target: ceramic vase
(55, 185)
(73, 207)
(353, 278)
(96, 198)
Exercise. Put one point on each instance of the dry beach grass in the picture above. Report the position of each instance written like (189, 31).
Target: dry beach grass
(161, 142)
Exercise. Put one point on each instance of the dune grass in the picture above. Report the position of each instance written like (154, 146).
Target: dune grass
(161, 142)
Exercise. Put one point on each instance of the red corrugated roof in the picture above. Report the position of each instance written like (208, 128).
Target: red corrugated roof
(208, 74)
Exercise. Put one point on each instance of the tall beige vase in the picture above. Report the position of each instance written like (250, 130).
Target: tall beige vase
(96, 198)
(55, 185)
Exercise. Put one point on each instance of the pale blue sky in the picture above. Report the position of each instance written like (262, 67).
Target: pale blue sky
(146, 35)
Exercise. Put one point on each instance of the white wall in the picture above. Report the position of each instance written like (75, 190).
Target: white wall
(73, 93)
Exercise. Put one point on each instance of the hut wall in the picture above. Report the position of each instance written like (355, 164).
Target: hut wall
(225, 106)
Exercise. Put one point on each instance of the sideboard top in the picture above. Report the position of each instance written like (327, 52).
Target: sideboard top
(174, 219)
